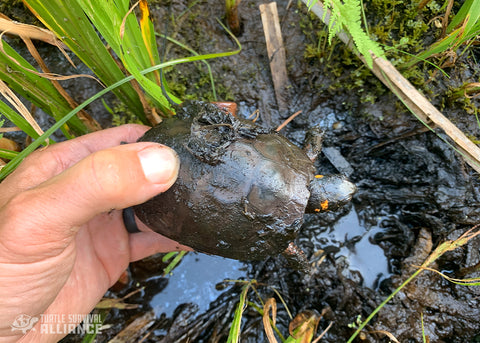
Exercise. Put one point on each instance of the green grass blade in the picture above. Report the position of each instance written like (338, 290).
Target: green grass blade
(19, 158)
(193, 52)
(464, 11)
(177, 257)
(14, 70)
(462, 282)
(8, 154)
(150, 87)
(69, 22)
(234, 334)
(424, 338)
(468, 20)
(98, 321)
(17, 120)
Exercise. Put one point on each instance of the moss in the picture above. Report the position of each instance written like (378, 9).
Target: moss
(122, 115)
(474, 139)
(16, 10)
(402, 28)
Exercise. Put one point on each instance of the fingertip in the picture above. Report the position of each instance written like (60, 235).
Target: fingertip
(160, 164)
(131, 132)
(114, 178)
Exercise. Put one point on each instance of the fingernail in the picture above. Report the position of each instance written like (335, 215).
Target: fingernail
(160, 164)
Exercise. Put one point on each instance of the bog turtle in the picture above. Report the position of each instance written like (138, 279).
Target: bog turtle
(242, 190)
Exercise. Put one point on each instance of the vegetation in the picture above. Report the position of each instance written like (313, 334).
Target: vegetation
(143, 92)
(422, 39)
(405, 32)
(233, 19)
(437, 253)
(347, 15)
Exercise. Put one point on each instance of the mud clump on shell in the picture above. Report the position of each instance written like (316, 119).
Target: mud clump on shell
(241, 191)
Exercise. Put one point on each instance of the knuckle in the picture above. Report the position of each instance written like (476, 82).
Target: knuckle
(108, 175)
(15, 207)
(48, 163)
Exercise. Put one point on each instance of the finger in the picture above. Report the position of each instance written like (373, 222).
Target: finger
(114, 178)
(145, 244)
(43, 164)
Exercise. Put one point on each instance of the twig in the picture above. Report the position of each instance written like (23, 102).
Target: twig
(411, 97)
(276, 52)
(288, 120)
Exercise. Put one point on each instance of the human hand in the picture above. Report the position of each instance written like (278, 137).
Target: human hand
(62, 239)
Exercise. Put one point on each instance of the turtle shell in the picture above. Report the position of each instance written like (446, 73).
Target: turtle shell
(241, 190)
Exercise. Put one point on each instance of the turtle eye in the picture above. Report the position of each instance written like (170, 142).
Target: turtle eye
(297, 222)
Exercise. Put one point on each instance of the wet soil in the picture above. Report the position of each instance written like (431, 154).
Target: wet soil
(415, 192)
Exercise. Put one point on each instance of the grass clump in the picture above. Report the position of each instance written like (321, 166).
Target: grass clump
(423, 40)
(106, 36)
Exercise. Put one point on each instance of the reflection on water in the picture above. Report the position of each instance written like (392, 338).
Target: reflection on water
(356, 249)
(194, 280)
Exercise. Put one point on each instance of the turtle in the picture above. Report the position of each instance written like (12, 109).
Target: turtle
(242, 190)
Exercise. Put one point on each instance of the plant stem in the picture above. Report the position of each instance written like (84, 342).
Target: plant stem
(379, 307)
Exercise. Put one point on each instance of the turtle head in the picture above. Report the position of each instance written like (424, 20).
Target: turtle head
(329, 193)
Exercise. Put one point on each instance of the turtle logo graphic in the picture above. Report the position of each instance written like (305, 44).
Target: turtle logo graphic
(24, 322)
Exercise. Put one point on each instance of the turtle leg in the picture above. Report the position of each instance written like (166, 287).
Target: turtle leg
(313, 142)
(296, 258)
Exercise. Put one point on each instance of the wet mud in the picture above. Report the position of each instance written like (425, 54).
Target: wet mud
(414, 192)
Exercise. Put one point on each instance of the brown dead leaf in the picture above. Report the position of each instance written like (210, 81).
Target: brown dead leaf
(9, 129)
(390, 336)
(304, 326)
(8, 144)
(107, 303)
(270, 304)
(30, 31)
(19, 106)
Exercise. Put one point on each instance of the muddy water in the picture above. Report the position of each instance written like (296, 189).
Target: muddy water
(194, 281)
(363, 258)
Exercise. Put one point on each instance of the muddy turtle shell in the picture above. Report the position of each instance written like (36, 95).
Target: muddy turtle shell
(241, 191)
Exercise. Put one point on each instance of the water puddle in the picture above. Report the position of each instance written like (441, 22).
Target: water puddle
(356, 252)
(194, 280)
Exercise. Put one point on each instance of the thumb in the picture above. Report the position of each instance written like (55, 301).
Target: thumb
(109, 179)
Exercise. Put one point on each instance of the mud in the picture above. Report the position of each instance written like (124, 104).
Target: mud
(414, 192)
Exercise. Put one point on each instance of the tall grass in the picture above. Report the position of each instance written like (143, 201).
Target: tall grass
(464, 26)
(23, 79)
(77, 23)
(135, 79)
